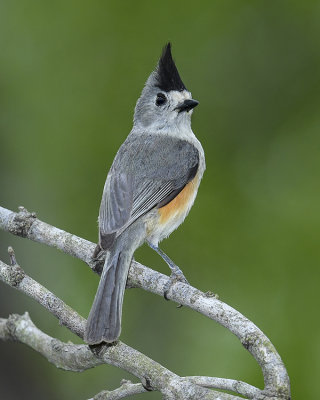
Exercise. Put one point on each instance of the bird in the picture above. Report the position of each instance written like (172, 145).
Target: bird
(149, 190)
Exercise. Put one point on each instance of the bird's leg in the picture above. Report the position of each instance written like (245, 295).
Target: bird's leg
(98, 259)
(174, 268)
(176, 273)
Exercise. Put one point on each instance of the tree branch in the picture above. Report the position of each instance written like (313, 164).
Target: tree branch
(126, 389)
(70, 357)
(119, 354)
(276, 380)
(14, 276)
(242, 388)
(78, 358)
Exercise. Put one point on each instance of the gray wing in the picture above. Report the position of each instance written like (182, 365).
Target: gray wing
(116, 203)
(148, 172)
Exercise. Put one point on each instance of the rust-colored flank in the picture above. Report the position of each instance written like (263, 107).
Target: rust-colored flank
(179, 204)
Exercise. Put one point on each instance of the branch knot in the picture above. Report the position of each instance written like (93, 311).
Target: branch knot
(15, 275)
(248, 341)
(12, 324)
(22, 222)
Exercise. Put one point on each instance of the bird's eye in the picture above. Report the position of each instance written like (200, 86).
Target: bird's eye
(161, 99)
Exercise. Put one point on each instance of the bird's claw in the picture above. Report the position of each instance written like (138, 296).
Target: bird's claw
(98, 259)
(176, 276)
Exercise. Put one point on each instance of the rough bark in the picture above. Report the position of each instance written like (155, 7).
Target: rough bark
(152, 375)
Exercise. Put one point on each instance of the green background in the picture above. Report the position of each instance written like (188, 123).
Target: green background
(70, 74)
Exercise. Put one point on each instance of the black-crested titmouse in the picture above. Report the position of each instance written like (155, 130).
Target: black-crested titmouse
(149, 190)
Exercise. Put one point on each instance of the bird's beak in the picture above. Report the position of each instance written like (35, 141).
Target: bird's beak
(187, 105)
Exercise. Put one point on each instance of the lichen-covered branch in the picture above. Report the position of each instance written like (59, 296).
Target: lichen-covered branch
(25, 224)
(79, 357)
(276, 380)
(70, 357)
(151, 373)
(14, 276)
(242, 388)
(252, 338)
(126, 389)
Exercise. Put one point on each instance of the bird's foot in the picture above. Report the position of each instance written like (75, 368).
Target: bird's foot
(176, 276)
(98, 258)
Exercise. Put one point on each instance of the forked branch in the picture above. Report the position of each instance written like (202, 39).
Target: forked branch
(151, 374)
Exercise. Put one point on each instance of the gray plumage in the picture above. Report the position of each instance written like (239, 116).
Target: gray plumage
(157, 160)
(146, 170)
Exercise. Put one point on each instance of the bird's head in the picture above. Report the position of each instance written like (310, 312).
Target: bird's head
(164, 102)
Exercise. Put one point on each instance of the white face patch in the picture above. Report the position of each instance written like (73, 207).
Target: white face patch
(179, 97)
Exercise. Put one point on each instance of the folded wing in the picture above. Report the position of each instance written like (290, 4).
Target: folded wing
(148, 171)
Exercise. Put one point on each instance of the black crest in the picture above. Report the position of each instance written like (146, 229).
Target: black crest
(167, 76)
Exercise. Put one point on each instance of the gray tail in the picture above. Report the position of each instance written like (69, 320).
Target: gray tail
(104, 321)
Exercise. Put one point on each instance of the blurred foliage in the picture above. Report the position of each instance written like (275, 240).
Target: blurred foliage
(70, 73)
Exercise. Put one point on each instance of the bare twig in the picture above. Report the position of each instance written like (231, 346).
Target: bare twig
(276, 380)
(148, 371)
(78, 358)
(12, 256)
(26, 225)
(126, 389)
(70, 357)
(242, 388)
(14, 276)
